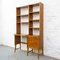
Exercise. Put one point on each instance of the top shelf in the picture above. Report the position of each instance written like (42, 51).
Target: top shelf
(28, 5)
(31, 5)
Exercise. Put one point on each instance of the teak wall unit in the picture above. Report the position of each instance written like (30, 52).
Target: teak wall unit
(29, 24)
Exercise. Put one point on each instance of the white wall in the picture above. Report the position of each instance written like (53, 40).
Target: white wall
(52, 28)
(1, 35)
(8, 21)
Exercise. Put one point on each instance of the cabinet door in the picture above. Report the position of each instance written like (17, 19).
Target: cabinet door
(32, 42)
(29, 42)
(35, 42)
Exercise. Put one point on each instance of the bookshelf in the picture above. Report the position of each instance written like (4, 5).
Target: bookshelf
(29, 26)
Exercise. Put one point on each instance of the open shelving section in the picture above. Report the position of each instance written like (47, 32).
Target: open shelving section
(34, 19)
(29, 22)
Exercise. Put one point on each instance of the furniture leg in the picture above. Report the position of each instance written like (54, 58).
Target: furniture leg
(38, 53)
(15, 49)
(27, 51)
(20, 46)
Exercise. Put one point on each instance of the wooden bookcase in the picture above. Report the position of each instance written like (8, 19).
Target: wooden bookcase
(29, 26)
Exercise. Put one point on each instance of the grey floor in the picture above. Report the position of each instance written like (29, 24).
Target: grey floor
(7, 53)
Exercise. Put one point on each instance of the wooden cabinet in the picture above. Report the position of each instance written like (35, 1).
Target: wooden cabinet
(29, 26)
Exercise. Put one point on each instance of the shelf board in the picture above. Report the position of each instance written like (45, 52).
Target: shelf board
(24, 6)
(34, 12)
(18, 15)
(34, 35)
(34, 27)
(24, 42)
(18, 22)
(24, 15)
(17, 34)
(24, 22)
(20, 35)
(34, 20)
